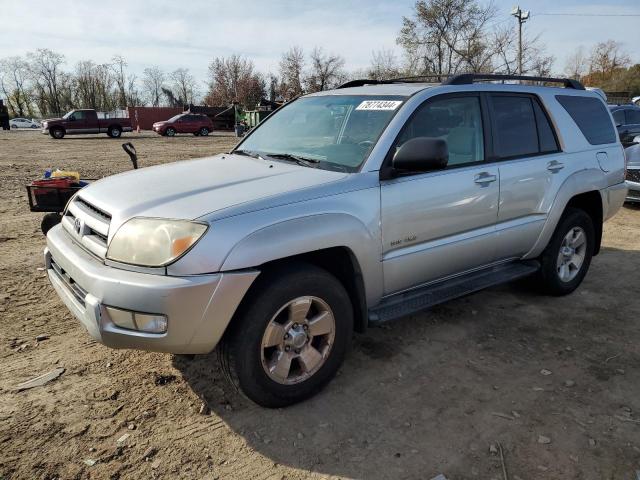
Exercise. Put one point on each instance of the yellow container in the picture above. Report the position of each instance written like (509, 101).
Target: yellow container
(66, 174)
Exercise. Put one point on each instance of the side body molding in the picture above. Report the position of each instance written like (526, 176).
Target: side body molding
(307, 234)
(583, 181)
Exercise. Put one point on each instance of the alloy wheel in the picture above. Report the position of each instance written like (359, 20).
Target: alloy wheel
(298, 340)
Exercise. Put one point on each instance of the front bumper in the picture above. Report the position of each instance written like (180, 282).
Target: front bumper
(45, 131)
(633, 195)
(198, 307)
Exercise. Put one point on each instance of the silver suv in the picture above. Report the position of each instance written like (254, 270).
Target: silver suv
(343, 209)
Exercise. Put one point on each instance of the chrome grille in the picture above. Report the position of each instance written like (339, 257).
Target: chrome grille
(633, 174)
(88, 225)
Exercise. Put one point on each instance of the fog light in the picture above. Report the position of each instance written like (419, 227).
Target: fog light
(141, 322)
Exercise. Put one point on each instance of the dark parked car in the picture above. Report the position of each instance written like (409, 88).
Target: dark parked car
(184, 123)
(627, 118)
(85, 121)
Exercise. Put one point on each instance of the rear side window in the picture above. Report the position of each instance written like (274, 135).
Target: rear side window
(633, 116)
(515, 130)
(591, 116)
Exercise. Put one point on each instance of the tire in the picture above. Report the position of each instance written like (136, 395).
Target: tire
(170, 132)
(246, 360)
(34, 126)
(49, 221)
(561, 271)
(204, 131)
(114, 132)
(57, 133)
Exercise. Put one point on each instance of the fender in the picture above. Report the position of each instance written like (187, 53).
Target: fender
(584, 181)
(307, 234)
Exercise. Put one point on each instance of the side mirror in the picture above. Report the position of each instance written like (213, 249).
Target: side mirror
(72, 118)
(421, 154)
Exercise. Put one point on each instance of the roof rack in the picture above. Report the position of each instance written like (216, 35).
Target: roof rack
(467, 78)
(464, 79)
(369, 81)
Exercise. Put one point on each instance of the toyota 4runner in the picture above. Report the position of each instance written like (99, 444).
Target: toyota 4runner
(343, 209)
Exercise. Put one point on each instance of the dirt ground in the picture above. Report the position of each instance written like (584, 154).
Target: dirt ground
(554, 383)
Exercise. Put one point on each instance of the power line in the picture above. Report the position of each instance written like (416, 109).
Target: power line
(592, 14)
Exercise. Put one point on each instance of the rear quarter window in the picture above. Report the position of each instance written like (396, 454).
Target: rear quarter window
(591, 116)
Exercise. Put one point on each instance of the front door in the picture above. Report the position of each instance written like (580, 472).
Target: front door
(438, 224)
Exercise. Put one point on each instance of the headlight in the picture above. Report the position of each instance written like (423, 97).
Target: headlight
(153, 242)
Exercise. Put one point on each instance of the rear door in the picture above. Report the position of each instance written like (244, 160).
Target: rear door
(531, 169)
(441, 223)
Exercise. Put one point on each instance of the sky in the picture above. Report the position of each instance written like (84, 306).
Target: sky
(190, 33)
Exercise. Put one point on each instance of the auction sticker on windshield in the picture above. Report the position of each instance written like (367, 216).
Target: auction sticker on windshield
(379, 105)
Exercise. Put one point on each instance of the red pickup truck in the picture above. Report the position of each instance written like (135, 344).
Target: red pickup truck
(85, 121)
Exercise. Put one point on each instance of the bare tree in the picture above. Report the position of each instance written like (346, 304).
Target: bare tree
(134, 98)
(45, 69)
(444, 37)
(326, 71)
(384, 65)
(119, 64)
(14, 76)
(183, 86)
(94, 86)
(576, 64)
(606, 57)
(153, 80)
(291, 71)
(233, 79)
(504, 48)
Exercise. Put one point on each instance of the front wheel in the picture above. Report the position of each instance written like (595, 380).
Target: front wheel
(566, 260)
(289, 337)
(114, 132)
(57, 133)
(170, 132)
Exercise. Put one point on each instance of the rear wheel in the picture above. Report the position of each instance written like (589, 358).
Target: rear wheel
(114, 132)
(566, 260)
(204, 131)
(170, 132)
(290, 336)
(57, 133)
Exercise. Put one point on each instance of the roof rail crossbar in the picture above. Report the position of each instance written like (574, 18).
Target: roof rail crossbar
(467, 78)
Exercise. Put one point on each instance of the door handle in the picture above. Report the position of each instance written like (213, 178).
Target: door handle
(555, 166)
(484, 178)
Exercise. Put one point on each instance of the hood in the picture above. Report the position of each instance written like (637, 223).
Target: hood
(49, 120)
(193, 188)
(160, 124)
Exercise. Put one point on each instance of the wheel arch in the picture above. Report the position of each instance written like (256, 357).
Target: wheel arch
(580, 190)
(336, 242)
(342, 264)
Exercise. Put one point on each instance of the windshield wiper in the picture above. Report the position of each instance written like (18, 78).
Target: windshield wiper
(304, 161)
(249, 153)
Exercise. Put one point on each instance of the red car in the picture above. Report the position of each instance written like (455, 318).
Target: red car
(185, 123)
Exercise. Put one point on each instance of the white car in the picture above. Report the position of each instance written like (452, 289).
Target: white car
(23, 123)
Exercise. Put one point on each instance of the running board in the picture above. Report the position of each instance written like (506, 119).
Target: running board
(416, 300)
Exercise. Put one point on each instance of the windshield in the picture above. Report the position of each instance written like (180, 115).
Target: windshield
(335, 131)
(176, 117)
(68, 114)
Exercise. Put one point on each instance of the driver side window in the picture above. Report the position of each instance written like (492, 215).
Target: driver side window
(457, 120)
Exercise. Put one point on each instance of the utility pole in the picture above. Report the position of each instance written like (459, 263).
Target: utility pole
(522, 17)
